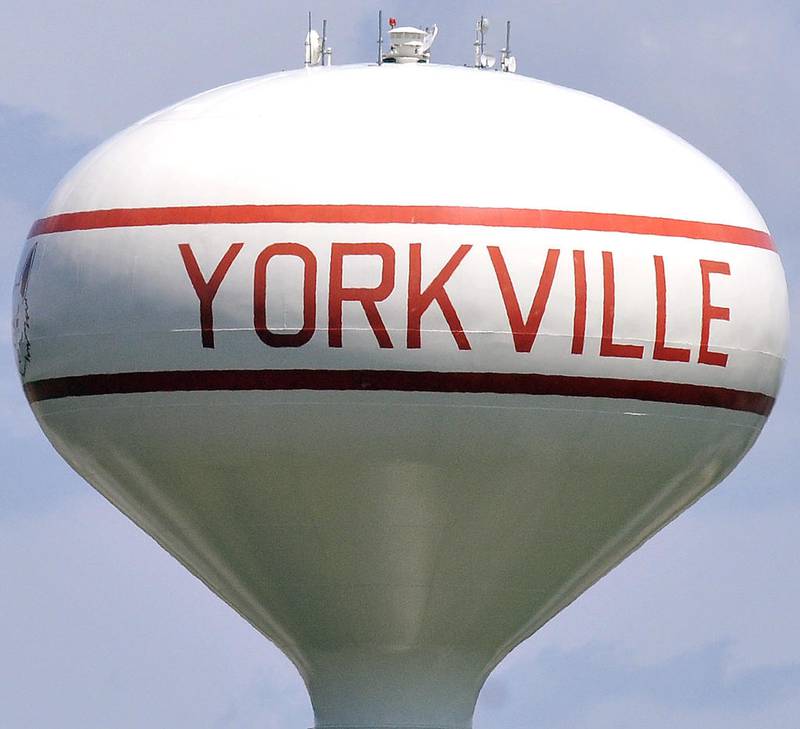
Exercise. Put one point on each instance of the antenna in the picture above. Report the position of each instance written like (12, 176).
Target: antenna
(508, 63)
(430, 36)
(317, 51)
(313, 46)
(380, 37)
(309, 54)
(482, 60)
(327, 53)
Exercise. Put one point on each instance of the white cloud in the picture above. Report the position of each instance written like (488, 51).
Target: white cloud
(104, 630)
(709, 578)
(634, 714)
(99, 66)
(694, 630)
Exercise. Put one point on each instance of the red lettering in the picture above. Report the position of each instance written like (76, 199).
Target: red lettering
(368, 297)
(296, 339)
(660, 350)
(419, 301)
(706, 356)
(579, 320)
(608, 347)
(524, 332)
(207, 290)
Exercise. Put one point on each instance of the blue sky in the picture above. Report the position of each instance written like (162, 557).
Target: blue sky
(99, 627)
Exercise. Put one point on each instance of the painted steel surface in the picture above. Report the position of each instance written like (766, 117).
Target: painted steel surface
(399, 418)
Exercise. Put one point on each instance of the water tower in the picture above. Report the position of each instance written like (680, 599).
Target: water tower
(395, 387)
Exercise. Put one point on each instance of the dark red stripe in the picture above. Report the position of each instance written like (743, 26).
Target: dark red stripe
(503, 383)
(427, 214)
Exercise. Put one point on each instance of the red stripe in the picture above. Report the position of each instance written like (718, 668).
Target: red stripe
(504, 383)
(424, 214)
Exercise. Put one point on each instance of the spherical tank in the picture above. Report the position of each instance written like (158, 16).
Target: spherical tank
(399, 383)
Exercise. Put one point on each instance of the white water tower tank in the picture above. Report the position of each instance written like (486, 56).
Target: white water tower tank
(398, 420)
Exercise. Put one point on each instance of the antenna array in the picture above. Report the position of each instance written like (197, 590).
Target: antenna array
(508, 63)
(317, 52)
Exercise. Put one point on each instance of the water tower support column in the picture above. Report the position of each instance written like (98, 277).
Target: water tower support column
(435, 689)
